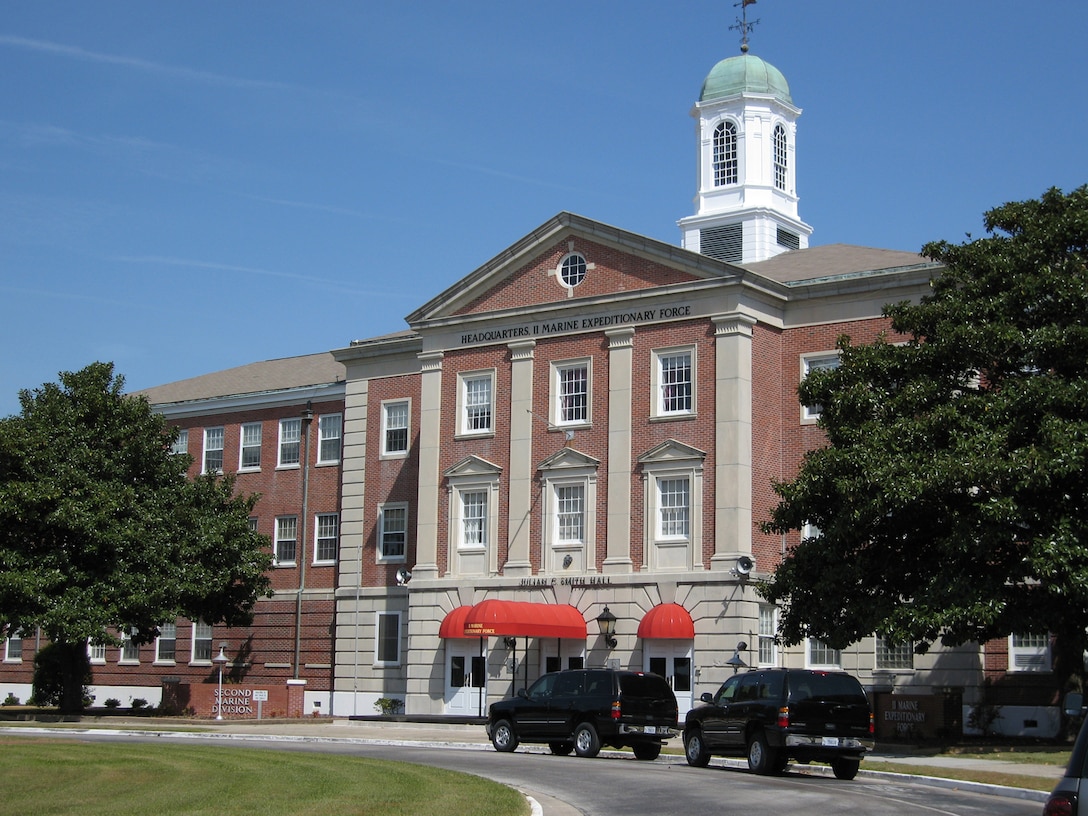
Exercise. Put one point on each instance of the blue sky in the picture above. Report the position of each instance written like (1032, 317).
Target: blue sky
(187, 187)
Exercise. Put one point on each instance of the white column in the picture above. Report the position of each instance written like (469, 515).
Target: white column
(620, 355)
(521, 459)
(430, 416)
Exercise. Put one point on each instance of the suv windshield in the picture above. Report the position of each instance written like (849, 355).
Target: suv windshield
(828, 688)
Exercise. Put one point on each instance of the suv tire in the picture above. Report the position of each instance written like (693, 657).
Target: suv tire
(586, 742)
(695, 749)
(762, 759)
(845, 768)
(648, 751)
(503, 736)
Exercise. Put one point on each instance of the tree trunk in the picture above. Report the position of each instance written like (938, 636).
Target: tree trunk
(74, 675)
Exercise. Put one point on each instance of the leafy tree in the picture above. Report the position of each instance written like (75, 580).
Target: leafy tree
(951, 499)
(101, 533)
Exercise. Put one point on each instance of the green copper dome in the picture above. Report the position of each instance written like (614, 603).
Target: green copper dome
(745, 73)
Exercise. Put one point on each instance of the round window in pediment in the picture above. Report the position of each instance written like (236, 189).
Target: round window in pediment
(573, 270)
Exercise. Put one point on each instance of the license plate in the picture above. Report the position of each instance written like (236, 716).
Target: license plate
(650, 729)
(830, 742)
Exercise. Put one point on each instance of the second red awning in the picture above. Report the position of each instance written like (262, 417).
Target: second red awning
(667, 620)
(524, 619)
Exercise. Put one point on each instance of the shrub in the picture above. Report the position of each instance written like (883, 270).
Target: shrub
(113, 702)
(138, 703)
(10, 700)
(388, 705)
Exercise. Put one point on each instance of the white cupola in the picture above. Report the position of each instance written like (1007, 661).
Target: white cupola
(746, 208)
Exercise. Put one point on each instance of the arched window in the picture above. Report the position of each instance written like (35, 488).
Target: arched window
(725, 154)
(780, 157)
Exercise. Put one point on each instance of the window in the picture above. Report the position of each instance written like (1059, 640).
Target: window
(251, 446)
(130, 651)
(326, 540)
(328, 438)
(572, 270)
(181, 444)
(570, 514)
(476, 406)
(768, 627)
(891, 655)
(395, 428)
(286, 540)
(780, 167)
(672, 495)
(569, 485)
(96, 652)
(673, 508)
(571, 389)
(474, 518)
(166, 643)
(213, 450)
(290, 434)
(202, 642)
(725, 154)
(13, 647)
(1029, 653)
(393, 532)
(821, 655)
(810, 363)
(675, 377)
(387, 639)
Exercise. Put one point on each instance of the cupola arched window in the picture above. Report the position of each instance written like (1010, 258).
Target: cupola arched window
(780, 157)
(725, 154)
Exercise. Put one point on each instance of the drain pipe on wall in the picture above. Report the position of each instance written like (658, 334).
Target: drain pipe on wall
(307, 419)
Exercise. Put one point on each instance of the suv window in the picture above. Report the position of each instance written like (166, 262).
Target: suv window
(749, 688)
(728, 691)
(830, 688)
(542, 688)
(640, 685)
(600, 682)
(568, 684)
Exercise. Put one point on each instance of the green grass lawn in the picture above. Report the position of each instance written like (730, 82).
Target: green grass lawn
(60, 776)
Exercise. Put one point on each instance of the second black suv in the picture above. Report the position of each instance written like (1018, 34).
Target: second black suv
(774, 715)
(582, 709)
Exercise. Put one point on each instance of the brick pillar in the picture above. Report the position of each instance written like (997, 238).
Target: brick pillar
(296, 696)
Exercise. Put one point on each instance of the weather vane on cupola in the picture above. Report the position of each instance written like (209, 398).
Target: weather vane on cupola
(742, 25)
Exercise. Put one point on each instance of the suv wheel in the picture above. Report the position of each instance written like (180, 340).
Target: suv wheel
(586, 742)
(762, 759)
(695, 749)
(503, 736)
(647, 750)
(845, 768)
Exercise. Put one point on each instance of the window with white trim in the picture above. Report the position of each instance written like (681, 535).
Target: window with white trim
(891, 655)
(181, 444)
(473, 519)
(326, 538)
(569, 499)
(130, 650)
(816, 362)
(387, 639)
(570, 514)
(329, 434)
(673, 508)
(725, 154)
(1029, 653)
(250, 456)
(96, 652)
(768, 629)
(821, 656)
(202, 642)
(674, 382)
(213, 450)
(475, 396)
(781, 168)
(286, 540)
(290, 439)
(395, 430)
(13, 646)
(166, 643)
(392, 531)
(571, 388)
(572, 270)
(672, 485)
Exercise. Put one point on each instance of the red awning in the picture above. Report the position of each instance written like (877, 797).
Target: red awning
(667, 621)
(496, 617)
(453, 625)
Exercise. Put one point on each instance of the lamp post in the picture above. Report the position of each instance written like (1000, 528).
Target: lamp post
(221, 659)
(606, 621)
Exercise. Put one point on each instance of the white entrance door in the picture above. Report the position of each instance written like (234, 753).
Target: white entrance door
(466, 677)
(672, 660)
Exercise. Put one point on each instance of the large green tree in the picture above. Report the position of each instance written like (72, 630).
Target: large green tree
(101, 533)
(951, 499)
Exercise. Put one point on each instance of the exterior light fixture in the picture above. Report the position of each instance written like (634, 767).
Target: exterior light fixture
(510, 642)
(221, 659)
(736, 661)
(606, 621)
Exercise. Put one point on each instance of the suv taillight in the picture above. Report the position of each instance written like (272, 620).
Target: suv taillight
(1059, 804)
(872, 724)
(615, 709)
(783, 717)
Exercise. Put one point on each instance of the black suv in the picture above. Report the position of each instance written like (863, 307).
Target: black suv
(582, 709)
(773, 715)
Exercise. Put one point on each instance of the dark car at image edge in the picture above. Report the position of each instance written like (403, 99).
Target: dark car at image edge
(772, 716)
(1065, 798)
(581, 710)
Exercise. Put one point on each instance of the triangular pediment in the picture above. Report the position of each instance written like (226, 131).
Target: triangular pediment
(567, 458)
(671, 451)
(472, 466)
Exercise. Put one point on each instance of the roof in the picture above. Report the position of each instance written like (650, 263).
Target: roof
(835, 261)
(284, 374)
(746, 73)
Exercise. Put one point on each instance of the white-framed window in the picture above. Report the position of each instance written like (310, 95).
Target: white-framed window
(815, 362)
(392, 531)
(286, 540)
(96, 652)
(725, 154)
(893, 655)
(290, 439)
(673, 479)
(326, 538)
(202, 643)
(396, 415)
(130, 650)
(569, 502)
(570, 514)
(572, 270)
(1029, 653)
(571, 390)
(781, 166)
(166, 643)
(213, 450)
(387, 639)
(476, 406)
(13, 646)
(250, 455)
(473, 512)
(674, 382)
(181, 444)
(819, 655)
(768, 629)
(673, 508)
(329, 433)
(474, 517)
